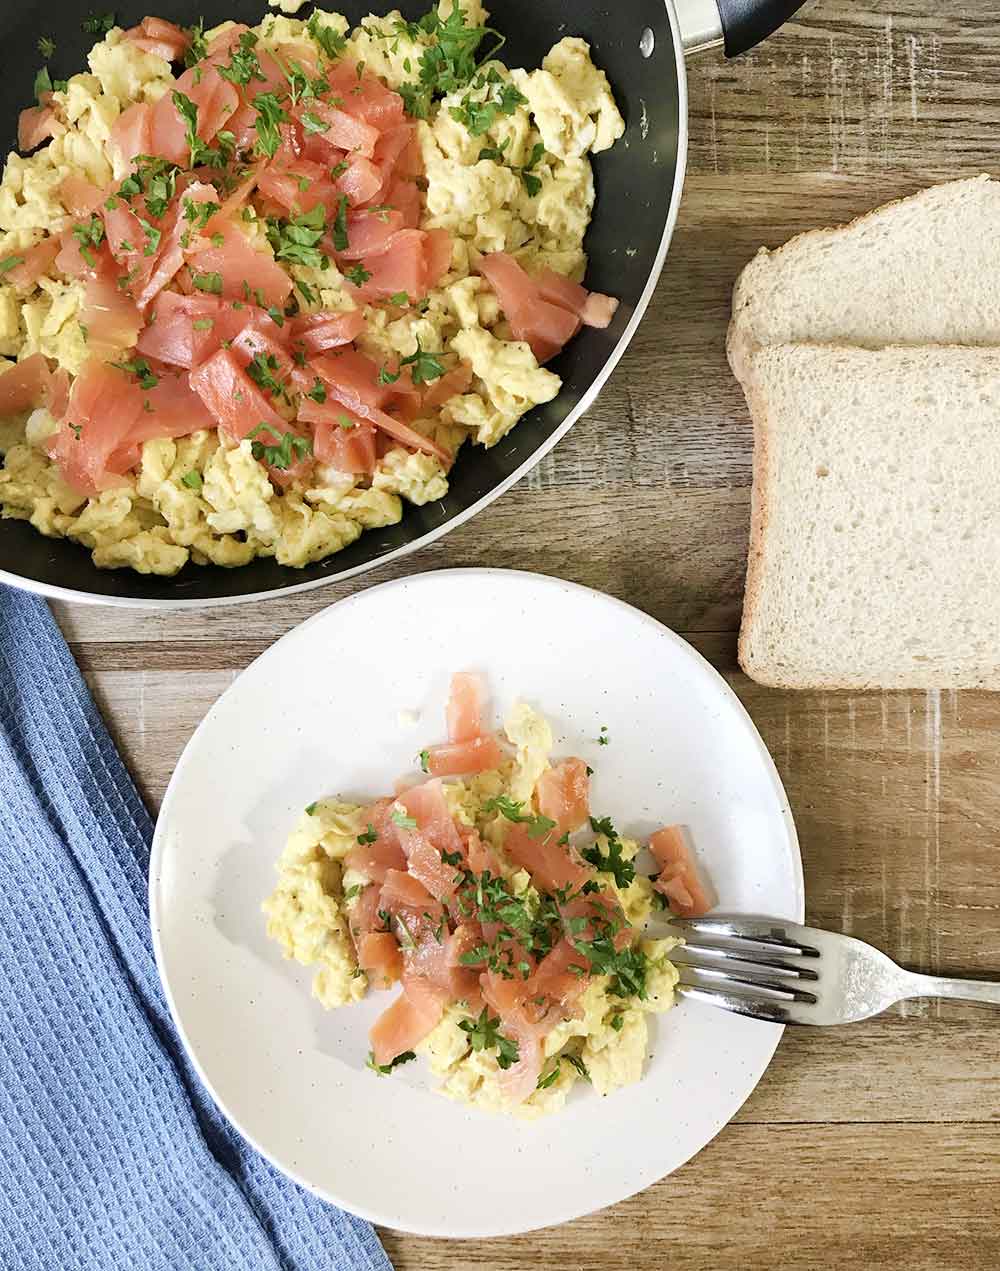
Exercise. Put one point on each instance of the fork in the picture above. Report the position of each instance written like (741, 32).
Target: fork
(771, 969)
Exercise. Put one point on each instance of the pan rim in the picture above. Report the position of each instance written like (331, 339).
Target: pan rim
(54, 592)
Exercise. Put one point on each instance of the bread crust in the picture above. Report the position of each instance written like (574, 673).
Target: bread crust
(740, 344)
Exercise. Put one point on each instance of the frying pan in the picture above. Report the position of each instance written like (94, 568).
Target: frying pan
(641, 44)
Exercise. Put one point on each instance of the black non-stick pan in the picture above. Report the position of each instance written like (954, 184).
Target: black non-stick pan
(641, 44)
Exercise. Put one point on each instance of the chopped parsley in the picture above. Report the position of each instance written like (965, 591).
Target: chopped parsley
(479, 114)
(207, 282)
(261, 370)
(484, 1034)
(269, 115)
(76, 430)
(318, 391)
(399, 298)
(576, 1062)
(402, 820)
(384, 1069)
(289, 447)
(627, 967)
(313, 123)
(425, 763)
(153, 236)
(532, 183)
(90, 234)
(244, 64)
(46, 46)
(539, 827)
(614, 863)
(616, 1022)
(369, 835)
(154, 178)
(358, 275)
(140, 368)
(385, 376)
(355, 889)
(10, 262)
(199, 214)
(345, 421)
(426, 366)
(98, 23)
(216, 156)
(447, 64)
(339, 169)
(193, 481)
(198, 47)
(340, 225)
(603, 739)
(329, 39)
(298, 240)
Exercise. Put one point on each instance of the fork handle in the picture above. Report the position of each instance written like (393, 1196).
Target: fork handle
(986, 992)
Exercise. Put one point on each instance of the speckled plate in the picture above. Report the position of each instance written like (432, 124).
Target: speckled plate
(341, 705)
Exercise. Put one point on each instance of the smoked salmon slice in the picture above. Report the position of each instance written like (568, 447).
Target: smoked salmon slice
(24, 386)
(156, 35)
(35, 125)
(236, 270)
(34, 263)
(379, 956)
(411, 1017)
(563, 795)
(464, 709)
(551, 864)
(234, 401)
(679, 880)
(464, 758)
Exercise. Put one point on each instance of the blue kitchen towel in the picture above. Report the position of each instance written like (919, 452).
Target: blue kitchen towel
(112, 1155)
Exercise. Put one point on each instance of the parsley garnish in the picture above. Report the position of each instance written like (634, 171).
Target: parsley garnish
(616, 1022)
(339, 170)
(340, 225)
(46, 46)
(627, 967)
(355, 889)
(76, 430)
(313, 123)
(603, 739)
(193, 481)
(384, 1069)
(244, 64)
(208, 282)
(261, 370)
(613, 862)
(484, 1034)
(426, 366)
(449, 63)
(139, 367)
(501, 98)
(211, 156)
(358, 276)
(538, 826)
(328, 38)
(532, 183)
(385, 376)
(576, 1062)
(269, 116)
(199, 214)
(288, 448)
(98, 23)
(402, 820)
(199, 45)
(425, 764)
(90, 234)
(399, 298)
(549, 1078)
(345, 421)
(153, 236)
(297, 240)
(318, 391)
(369, 835)
(10, 262)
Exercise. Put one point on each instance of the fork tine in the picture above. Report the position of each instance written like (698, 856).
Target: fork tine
(766, 934)
(755, 1008)
(725, 977)
(724, 953)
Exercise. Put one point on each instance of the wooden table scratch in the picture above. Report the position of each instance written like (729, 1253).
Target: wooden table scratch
(871, 1146)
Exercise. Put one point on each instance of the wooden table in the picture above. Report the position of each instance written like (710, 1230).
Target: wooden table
(871, 1146)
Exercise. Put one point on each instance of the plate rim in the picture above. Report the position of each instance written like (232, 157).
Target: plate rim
(156, 869)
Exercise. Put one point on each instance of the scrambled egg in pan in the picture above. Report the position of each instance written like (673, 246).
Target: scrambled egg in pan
(605, 1042)
(162, 517)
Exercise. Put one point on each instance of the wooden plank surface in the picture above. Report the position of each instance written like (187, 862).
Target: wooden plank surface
(873, 1146)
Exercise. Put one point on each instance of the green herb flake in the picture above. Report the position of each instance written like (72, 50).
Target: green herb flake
(211, 283)
(10, 262)
(425, 761)
(192, 480)
(339, 235)
(318, 391)
(286, 450)
(384, 1069)
(426, 366)
(402, 820)
(140, 368)
(328, 38)
(369, 836)
(358, 276)
(98, 23)
(400, 299)
(269, 116)
(484, 1034)
(311, 809)
(46, 46)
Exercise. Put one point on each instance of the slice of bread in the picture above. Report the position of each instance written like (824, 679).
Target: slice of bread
(920, 271)
(875, 530)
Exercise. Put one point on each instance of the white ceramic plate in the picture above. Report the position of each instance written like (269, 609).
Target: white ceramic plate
(320, 713)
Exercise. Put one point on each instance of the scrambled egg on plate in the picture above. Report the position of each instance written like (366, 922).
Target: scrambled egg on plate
(205, 499)
(604, 1040)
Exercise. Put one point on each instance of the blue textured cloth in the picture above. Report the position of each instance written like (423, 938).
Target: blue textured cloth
(112, 1155)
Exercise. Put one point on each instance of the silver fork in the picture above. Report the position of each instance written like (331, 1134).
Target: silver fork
(775, 970)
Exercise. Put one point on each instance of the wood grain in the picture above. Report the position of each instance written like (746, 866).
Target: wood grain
(872, 1146)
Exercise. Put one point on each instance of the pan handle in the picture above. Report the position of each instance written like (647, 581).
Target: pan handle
(737, 25)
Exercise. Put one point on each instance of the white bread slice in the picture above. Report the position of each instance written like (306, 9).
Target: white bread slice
(920, 271)
(875, 527)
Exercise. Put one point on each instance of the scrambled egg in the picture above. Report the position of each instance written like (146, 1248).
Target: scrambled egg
(205, 501)
(605, 1042)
